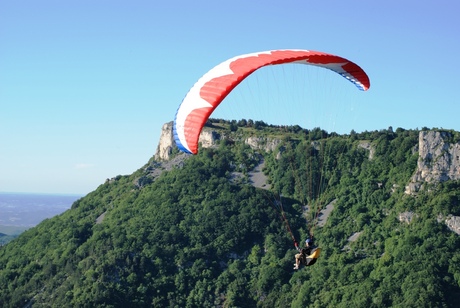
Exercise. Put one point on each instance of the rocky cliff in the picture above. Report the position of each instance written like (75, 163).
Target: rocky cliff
(208, 138)
(439, 157)
(166, 143)
(438, 161)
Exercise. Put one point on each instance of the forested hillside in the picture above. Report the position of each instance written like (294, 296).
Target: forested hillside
(199, 236)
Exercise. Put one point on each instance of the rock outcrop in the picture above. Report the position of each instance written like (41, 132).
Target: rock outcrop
(166, 143)
(261, 143)
(367, 146)
(407, 217)
(438, 161)
(208, 138)
(453, 223)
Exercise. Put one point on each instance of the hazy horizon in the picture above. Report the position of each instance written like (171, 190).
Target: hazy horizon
(29, 209)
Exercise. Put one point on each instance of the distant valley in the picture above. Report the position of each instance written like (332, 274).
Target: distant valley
(21, 211)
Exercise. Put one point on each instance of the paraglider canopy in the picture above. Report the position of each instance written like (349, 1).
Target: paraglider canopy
(210, 90)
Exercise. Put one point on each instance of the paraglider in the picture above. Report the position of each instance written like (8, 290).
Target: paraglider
(211, 89)
(214, 86)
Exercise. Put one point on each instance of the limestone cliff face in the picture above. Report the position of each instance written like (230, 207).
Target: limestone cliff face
(453, 223)
(438, 160)
(166, 143)
(261, 143)
(208, 138)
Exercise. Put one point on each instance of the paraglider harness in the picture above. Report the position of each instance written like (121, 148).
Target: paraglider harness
(307, 255)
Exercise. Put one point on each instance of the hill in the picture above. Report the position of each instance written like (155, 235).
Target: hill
(194, 231)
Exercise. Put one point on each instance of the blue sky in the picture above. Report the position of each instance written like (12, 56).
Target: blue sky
(85, 86)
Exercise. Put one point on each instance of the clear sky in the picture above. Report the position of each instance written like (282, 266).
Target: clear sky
(85, 86)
